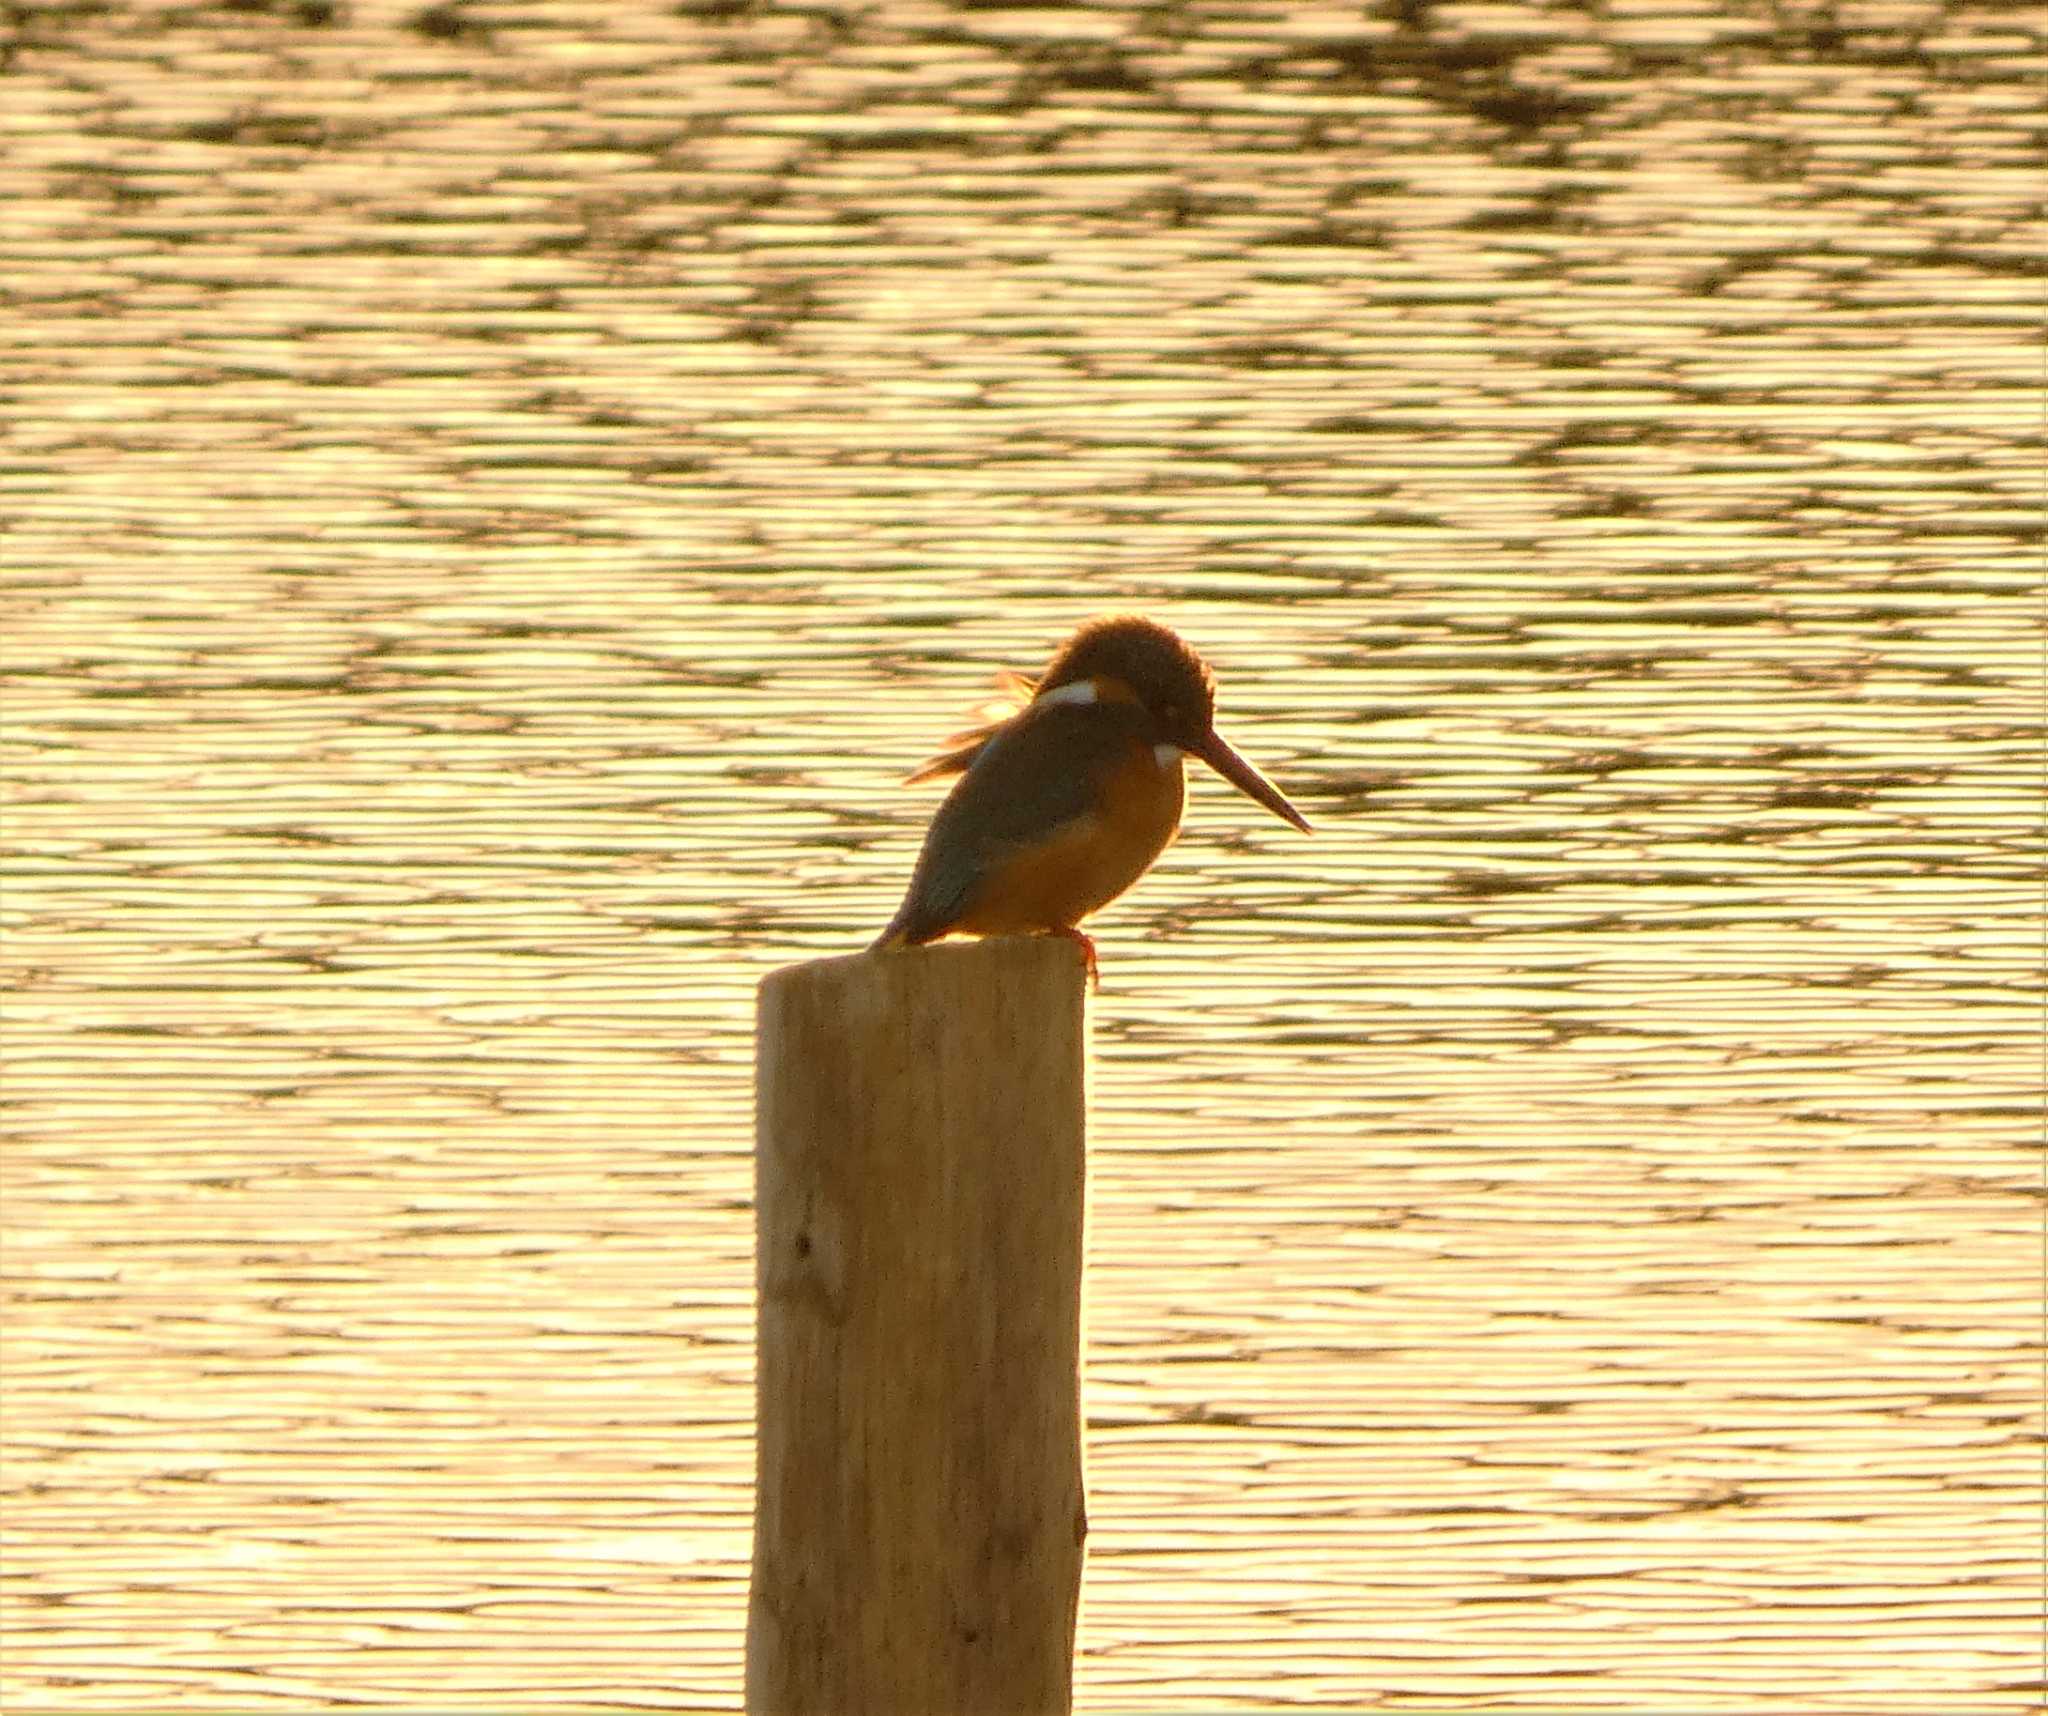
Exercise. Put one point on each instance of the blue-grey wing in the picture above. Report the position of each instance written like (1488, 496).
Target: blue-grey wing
(1039, 771)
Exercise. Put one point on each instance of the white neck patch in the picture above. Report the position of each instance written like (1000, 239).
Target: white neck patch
(1074, 691)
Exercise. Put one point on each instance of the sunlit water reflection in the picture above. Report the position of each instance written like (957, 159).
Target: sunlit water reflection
(498, 494)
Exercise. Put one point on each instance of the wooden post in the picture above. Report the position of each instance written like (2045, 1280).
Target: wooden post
(920, 1179)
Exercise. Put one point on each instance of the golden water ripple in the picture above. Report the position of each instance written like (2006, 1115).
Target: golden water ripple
(497, 494)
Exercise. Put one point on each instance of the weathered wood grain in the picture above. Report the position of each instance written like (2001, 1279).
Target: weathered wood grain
(920, 1180)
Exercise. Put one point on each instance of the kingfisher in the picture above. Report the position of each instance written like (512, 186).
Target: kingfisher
(1065, 802)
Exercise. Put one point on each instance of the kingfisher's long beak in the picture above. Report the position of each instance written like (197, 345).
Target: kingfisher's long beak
(1227, 761)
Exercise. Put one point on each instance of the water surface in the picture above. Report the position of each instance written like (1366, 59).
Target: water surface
(497, 495)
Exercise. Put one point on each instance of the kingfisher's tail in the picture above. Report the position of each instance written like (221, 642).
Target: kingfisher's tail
(907, 929)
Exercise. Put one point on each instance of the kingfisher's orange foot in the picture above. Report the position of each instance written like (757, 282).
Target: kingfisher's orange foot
(1087, 954)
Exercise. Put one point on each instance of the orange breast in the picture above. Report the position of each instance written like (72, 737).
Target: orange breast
(1083, 864)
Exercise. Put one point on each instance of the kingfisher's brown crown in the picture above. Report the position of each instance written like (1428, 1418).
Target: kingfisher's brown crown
(1172, 682)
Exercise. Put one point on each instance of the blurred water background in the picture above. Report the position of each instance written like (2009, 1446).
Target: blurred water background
(495, 495)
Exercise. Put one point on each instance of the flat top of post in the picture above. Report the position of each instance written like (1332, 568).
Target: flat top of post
(1007, 961)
